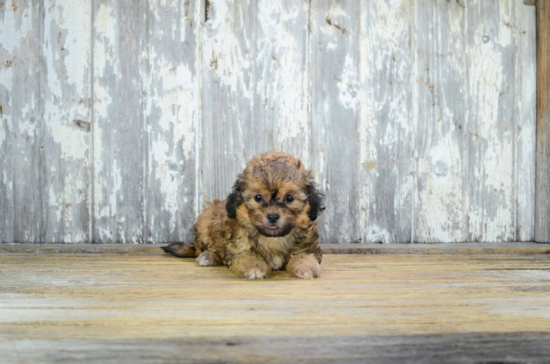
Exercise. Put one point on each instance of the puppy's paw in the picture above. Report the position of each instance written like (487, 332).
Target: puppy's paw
(250, 266)
(304, 267)
(307, 272)
(208, 259)
(256, 273)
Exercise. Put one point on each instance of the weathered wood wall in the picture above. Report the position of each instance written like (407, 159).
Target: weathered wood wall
(542, 223)
(118, 119)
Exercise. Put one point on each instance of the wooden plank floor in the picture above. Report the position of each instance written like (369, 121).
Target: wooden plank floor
(153, 308)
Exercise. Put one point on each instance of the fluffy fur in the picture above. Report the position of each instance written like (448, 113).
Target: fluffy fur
(267, 222)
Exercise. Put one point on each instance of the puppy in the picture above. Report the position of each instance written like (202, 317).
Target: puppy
(267, 222)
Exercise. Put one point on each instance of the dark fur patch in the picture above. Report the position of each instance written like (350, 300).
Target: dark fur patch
(234, 199)
(180, 250)
(316, 201)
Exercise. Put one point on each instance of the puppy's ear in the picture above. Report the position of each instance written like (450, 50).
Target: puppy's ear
(234, 199)
(316, 201)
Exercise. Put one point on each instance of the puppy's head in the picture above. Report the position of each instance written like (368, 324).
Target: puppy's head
(274, 194)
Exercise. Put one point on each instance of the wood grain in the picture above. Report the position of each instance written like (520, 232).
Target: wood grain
(439, 133)
(516, 347)
(146, 121)
(171, 112)
(21, 130)
(334, 74)
(385, 195)
(108, 304)
(66, 133)
(490, 129)
(254, 87)
(526, 116)
(542, 224)
(118, 143)
(152, 249)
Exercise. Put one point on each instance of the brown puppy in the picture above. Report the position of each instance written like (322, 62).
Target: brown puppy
(267, 222)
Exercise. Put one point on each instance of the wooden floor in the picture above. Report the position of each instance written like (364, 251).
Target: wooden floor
(153, 308)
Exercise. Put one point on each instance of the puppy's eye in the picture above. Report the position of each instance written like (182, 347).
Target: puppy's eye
(289, 198)
(259, 198)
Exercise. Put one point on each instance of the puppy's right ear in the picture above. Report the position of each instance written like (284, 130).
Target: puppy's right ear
(234, 199)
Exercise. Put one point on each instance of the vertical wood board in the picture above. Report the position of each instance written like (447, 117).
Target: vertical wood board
(386, 71)
(254, 87)
(22, 129)
(118, 125)
(490, 124)
(542, 220)
(335, 111)
(526, 93)
(65, 93)
(439, 131)
(172, 106)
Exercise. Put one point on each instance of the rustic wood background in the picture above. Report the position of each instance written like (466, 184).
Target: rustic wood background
(119, 118)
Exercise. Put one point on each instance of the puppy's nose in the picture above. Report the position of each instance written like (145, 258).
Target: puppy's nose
(273, 218)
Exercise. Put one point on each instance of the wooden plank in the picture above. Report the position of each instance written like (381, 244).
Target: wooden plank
(542, 224)
(118, 307)
(254, 87)
(21, 153)
(151, 249)
(439, 138)
(281, 68)
(172, 108)
(526, 80)
(484, 347)
(335, 148)
(490, 127)
(385, 193)
(65, 94)
(119, 31)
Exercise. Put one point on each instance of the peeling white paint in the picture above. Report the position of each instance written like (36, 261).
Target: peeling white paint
(99, 181)
(21, 24)
(54, 204)
(225, 56)
(105, 28)
(65, 93)
(117, 183)
(3, 131)
(167, 178)
(386, 122)
(376, 235)
(282, 81)
(347, 84)
(472, 161)
(176, 101)
(73, 142)
(441, 193)
(76, 18)
(526, 81)
(492, 207)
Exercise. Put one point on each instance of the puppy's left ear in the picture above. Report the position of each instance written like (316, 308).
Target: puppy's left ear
(234, 199)
(316, 201)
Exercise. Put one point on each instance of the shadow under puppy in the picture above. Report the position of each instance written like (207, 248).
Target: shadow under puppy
(267, 222)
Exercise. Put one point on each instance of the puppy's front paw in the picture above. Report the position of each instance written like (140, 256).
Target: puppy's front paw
(208, 259)
(250, 266)
(306, 272)
(304, 267)
(256, 273)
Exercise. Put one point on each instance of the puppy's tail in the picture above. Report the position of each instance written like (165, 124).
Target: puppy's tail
(181, 250)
